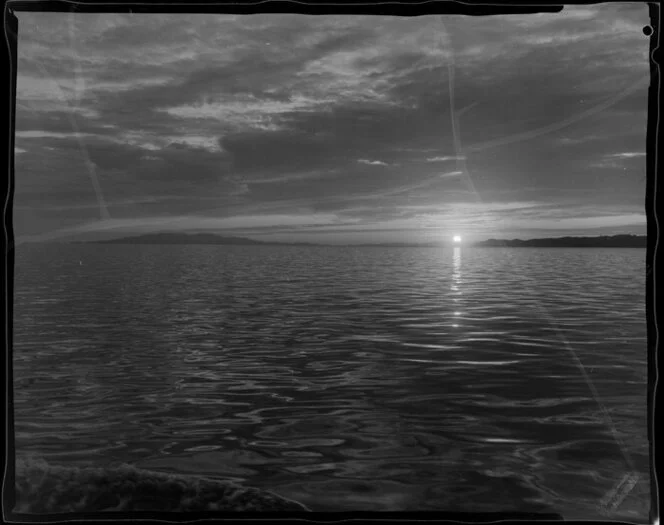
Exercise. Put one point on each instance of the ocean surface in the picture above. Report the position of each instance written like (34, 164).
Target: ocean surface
(434, 379)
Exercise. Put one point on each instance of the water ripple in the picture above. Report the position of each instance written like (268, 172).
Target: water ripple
(345, 378)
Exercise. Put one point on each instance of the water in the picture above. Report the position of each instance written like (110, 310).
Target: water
(465, 379)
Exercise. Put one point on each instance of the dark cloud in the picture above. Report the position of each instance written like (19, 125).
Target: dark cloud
(346, 116)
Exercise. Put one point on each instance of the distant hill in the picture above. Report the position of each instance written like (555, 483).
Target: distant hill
(210, 238)
(615, 241)
(604, 241)
(188, 238)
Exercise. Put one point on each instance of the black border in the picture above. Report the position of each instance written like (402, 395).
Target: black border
(653, 305)
(7, 278)
(405, 8)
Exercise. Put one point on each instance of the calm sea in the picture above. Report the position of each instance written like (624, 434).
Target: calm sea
(465, 379)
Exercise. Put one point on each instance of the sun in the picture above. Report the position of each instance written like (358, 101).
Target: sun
(456, 238)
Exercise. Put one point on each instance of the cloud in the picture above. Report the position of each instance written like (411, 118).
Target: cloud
(584, 223)
(246, 112)
(50, 134)
(293, 116)
(444, 158)
(268, 178)
(628, 155)
(617, 160)
(185, 223)
(372, 162)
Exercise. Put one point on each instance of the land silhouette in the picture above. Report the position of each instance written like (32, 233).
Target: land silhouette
(604, 241)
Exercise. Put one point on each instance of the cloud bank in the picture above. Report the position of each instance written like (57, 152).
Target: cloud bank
(293, 127)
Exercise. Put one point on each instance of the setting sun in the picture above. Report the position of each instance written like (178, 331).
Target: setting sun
(457, 238)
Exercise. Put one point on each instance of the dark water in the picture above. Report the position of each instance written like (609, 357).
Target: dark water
(345, 378)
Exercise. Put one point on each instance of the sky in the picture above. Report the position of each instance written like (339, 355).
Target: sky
(336, 129)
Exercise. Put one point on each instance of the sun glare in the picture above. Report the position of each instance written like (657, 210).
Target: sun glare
(457, 238)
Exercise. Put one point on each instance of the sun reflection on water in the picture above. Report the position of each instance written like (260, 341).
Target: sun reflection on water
(456, 271)
(456, 281)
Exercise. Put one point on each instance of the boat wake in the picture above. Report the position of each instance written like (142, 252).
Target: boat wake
(42, 488)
